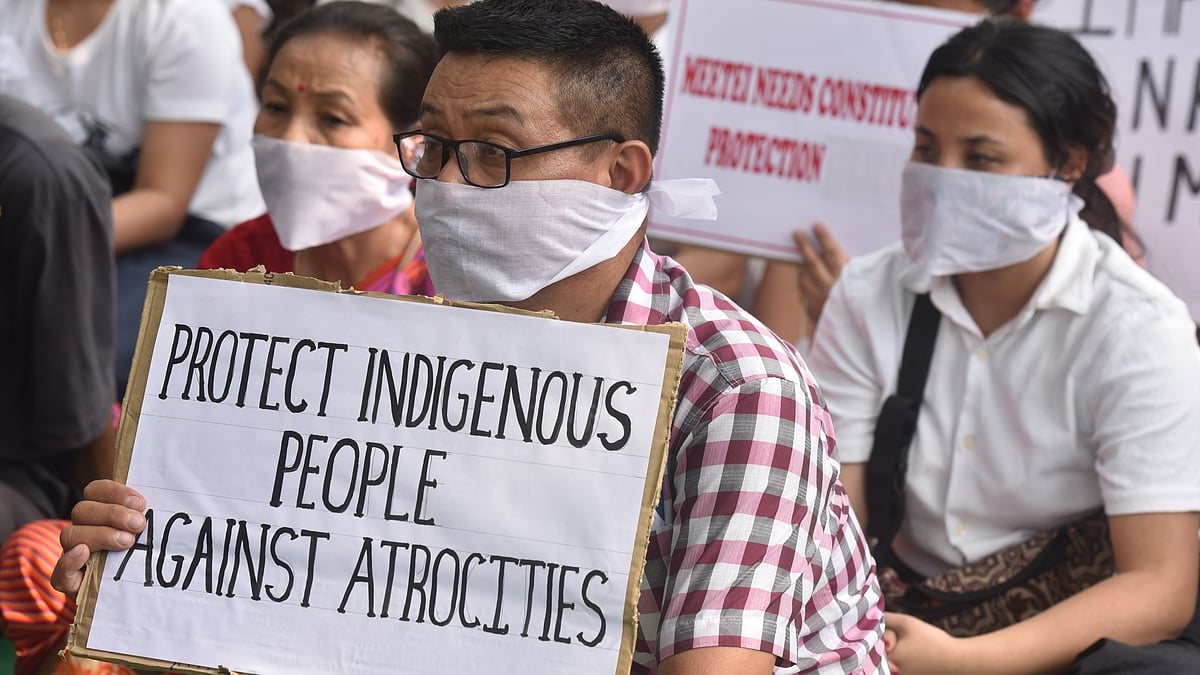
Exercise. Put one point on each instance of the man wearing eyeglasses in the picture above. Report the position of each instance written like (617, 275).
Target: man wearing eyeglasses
(534, 158)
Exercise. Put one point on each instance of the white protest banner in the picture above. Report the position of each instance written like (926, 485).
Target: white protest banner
(801, 110)
(344, 483)
(1150, 52)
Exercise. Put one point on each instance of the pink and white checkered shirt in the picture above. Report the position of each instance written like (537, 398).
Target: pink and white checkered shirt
(753, 543)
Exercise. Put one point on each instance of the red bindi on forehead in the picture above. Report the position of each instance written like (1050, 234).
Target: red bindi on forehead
(300, 87)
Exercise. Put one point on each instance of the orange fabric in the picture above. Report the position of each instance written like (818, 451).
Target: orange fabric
(380, 272)
(33, 616)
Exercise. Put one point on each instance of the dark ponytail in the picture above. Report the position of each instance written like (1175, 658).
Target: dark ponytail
(1049, 75)
(1098, 210)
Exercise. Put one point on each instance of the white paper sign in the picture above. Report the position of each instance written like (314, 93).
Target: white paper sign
(802, 110)
(352, 484)
(1150, 52)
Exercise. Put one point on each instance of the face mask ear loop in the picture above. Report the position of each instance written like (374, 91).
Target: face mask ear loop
(688, 198)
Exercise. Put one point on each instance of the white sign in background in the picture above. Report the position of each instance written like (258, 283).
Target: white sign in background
(801, 110)
(1150, 52)
(277, 547)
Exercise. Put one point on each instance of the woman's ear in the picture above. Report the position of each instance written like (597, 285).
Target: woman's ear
(631, 167)
(1075, 165)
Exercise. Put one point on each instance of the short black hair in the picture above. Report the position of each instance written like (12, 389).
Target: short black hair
(409, 54)
(610, 76)
(1048, 74)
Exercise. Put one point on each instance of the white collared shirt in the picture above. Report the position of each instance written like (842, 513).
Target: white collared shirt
(1088, 398)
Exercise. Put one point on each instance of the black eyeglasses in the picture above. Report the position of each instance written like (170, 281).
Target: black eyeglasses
(483, 164)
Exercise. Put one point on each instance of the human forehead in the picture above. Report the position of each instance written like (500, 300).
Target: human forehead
(472, 94)
(331, 56)
(968, 101)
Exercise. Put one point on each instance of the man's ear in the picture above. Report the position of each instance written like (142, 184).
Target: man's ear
(631, 167)
(1023, 10)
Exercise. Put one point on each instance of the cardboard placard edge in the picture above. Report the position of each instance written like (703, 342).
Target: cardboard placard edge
(672, 375)
(126, 430)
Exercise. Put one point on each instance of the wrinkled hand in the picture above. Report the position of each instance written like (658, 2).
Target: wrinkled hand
(917, 648)
(108, 519)
(818, 269)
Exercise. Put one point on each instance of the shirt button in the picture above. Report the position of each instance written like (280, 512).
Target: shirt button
(969, 442)
(961, 528)
(983, 355)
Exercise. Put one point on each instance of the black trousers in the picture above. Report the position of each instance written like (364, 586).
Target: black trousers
(1109, 657)
(133, 273)
(33, 491)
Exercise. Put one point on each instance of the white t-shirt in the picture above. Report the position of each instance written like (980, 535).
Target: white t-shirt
(260, 7)
(148, 60)
(1089, 398)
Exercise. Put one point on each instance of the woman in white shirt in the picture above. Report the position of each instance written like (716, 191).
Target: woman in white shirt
(156, 91)
(1063, 378)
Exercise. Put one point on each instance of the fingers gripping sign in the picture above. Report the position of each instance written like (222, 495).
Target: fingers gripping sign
(108, 519)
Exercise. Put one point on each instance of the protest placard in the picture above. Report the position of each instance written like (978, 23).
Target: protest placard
(339, 482)
(1150, 52)
(801, 110)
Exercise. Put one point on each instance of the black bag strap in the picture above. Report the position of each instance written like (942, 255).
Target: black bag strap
(895, 428)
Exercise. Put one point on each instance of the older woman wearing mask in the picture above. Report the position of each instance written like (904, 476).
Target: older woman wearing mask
(341, 79)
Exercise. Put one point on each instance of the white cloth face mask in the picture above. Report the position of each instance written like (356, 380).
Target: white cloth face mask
(504, 245)
(956, 221)
(318, 194)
